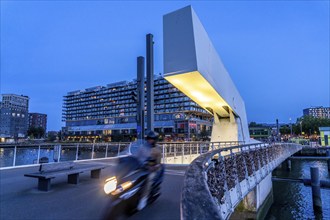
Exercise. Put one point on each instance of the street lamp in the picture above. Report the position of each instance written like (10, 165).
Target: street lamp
(290, 128)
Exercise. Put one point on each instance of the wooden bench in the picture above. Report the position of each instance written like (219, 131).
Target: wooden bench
(52, 170)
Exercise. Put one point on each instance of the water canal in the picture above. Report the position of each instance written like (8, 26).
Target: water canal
(294, 200)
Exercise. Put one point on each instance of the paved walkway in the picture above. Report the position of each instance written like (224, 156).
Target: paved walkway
(20, 199)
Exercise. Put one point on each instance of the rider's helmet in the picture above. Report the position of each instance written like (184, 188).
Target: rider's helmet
(152, 135)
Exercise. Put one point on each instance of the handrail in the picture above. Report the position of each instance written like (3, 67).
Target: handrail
(59, 143)
(218, 180)
(102, 143)
(173, 152)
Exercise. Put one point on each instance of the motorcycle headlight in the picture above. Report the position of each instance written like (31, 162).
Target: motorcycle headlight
(110, 185)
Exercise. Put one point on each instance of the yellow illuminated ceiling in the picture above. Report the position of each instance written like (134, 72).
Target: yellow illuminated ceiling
(196, 87)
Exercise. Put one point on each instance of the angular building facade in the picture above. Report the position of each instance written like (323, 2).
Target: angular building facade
(109, 113)
(193, 65)
(14, 116)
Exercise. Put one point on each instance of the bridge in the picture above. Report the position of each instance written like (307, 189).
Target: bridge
(220, 177)
(222, 173)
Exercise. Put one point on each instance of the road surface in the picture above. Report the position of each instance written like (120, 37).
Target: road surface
(20, 199)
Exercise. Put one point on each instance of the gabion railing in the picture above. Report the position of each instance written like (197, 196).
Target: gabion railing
(217, 181)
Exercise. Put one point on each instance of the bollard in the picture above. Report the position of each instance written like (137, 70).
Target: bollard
(288, 163)
(316, 190)
(328, 160)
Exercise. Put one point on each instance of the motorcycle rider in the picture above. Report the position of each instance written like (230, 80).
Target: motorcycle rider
(150, 154)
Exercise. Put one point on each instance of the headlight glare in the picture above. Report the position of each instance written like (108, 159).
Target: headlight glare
(110, 185)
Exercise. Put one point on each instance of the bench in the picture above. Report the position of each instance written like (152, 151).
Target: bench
(52, 170)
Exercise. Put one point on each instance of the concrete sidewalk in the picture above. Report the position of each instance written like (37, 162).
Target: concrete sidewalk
(20, 199)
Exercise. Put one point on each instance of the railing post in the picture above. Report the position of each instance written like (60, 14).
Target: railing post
(106, 151)
(245, 167)
(118, 149)
(59, 153)
(260, 161)
(268, 160)
(14, 160)
(38, 157)
(77, 151)
(190, 150)
(163, 153)
(254, 170)
(174, 151)
(226, 188)
(182, 153)
(237, 182)
(92, 152)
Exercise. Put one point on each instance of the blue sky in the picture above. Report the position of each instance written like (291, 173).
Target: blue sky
(277, 52)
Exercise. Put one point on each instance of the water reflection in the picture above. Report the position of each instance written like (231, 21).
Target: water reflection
(294, 200)
(6, 157)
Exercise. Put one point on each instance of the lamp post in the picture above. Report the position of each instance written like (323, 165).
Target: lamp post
(301, 127)
(290, 128)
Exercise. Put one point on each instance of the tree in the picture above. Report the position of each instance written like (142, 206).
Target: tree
(254, 124)
(310, 125)
(285, 129)
(40, 132)
(52, 136)
(34, 132)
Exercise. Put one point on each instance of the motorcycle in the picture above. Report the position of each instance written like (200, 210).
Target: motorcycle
(125, 189)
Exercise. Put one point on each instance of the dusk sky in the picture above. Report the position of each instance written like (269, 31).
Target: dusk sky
(277, 52)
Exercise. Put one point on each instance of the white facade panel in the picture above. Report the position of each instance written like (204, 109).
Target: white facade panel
(187, 48)
(180, 53)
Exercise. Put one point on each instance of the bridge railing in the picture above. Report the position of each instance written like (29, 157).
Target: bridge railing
(217, 181)
(28, 154)
(186, 152)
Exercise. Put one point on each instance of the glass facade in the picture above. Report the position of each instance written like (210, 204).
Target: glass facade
(111, 111)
